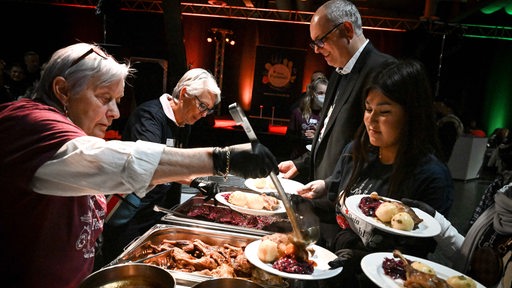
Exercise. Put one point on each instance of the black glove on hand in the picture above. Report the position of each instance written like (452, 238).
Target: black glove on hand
(300, 203)
(245, 160)
(207, 188)
(421, 205)
(348, 258)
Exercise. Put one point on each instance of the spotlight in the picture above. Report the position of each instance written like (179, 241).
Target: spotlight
(230, 39)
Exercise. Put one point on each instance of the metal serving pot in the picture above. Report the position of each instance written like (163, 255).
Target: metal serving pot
(128, 276)
(227, 283)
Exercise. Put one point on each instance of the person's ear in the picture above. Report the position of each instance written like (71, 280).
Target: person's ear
(60, 89)
(348, 29)
(182, 93)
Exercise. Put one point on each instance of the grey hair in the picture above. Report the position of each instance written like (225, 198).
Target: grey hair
(197, 80)
(105, 71)
(338, 11)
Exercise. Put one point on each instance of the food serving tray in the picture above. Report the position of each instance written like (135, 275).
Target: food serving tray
(196, 212)
(137, 250)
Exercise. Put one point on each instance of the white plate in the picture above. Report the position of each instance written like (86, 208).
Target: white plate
(220, 197)
(289, 186)
(372, 267)
(429, 227)
(321, 257)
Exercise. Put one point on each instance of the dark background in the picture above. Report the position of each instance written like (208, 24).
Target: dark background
(474, 72)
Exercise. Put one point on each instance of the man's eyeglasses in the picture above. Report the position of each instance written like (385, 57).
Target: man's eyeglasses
(320, 41)
(95, 50)
(203, 107)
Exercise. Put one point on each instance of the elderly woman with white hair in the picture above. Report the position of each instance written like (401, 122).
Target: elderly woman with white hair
(56, 168)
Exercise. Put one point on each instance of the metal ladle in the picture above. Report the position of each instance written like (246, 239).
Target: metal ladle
(303, 237)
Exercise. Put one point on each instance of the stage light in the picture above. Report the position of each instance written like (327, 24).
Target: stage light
(210, 36)
(508, 9)
(230, 39)
(493, 7)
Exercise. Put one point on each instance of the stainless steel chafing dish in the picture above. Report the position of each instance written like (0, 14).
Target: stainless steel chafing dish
(158, 233)
(197, 213)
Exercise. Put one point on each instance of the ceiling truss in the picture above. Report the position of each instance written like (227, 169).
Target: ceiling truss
(294, 16)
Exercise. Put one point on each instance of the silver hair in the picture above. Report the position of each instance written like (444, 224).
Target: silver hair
(338, 11)
(197, 80)
(78, 64)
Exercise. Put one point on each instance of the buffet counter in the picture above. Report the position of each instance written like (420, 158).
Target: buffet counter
(206, 226)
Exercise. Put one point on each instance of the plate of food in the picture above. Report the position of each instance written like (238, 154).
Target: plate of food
(393, 217)
(419, 270)
(318, 258)
(266, 185)
(251, 203)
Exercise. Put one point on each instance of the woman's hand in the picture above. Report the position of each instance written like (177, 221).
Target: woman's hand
(312, 190)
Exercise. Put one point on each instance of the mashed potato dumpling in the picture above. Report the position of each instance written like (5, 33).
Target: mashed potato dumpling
(402, 221)
(270, 184)
(238, 198)
(423, 268)
(255, 201)
(267, 251)
(260, 183)
(386, 211)
(461, 281)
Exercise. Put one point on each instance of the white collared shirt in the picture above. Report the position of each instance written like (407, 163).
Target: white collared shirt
(343, 71)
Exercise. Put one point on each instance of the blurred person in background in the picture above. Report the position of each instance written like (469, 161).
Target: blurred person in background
(32, 66)
(449, 126)
(16, 84)
(304, 119)
(298, 101)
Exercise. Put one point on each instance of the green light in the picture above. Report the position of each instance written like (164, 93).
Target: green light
(508, 9)
(487, 37)
(495, 6)
(491, 8)
(498, 32)
(497, 92)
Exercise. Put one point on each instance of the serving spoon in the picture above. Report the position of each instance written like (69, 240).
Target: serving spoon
(302, 237)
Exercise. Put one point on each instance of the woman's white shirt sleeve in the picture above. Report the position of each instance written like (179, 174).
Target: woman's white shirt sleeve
(449, 240)
(91, 165)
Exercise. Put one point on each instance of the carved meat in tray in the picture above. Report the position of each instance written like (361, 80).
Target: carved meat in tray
(196, 256)
(196, 251)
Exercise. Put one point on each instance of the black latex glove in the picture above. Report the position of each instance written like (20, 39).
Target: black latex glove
(252, 160)
(300, 203)
(208, 188)
(421, 205)
(348, 258)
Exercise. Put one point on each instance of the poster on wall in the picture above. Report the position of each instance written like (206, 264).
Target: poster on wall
(277, 81)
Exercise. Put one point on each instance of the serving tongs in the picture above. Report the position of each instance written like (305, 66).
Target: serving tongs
(300, 236)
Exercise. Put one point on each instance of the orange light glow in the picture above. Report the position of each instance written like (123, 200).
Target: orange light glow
(246, 80)
(230, 125)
